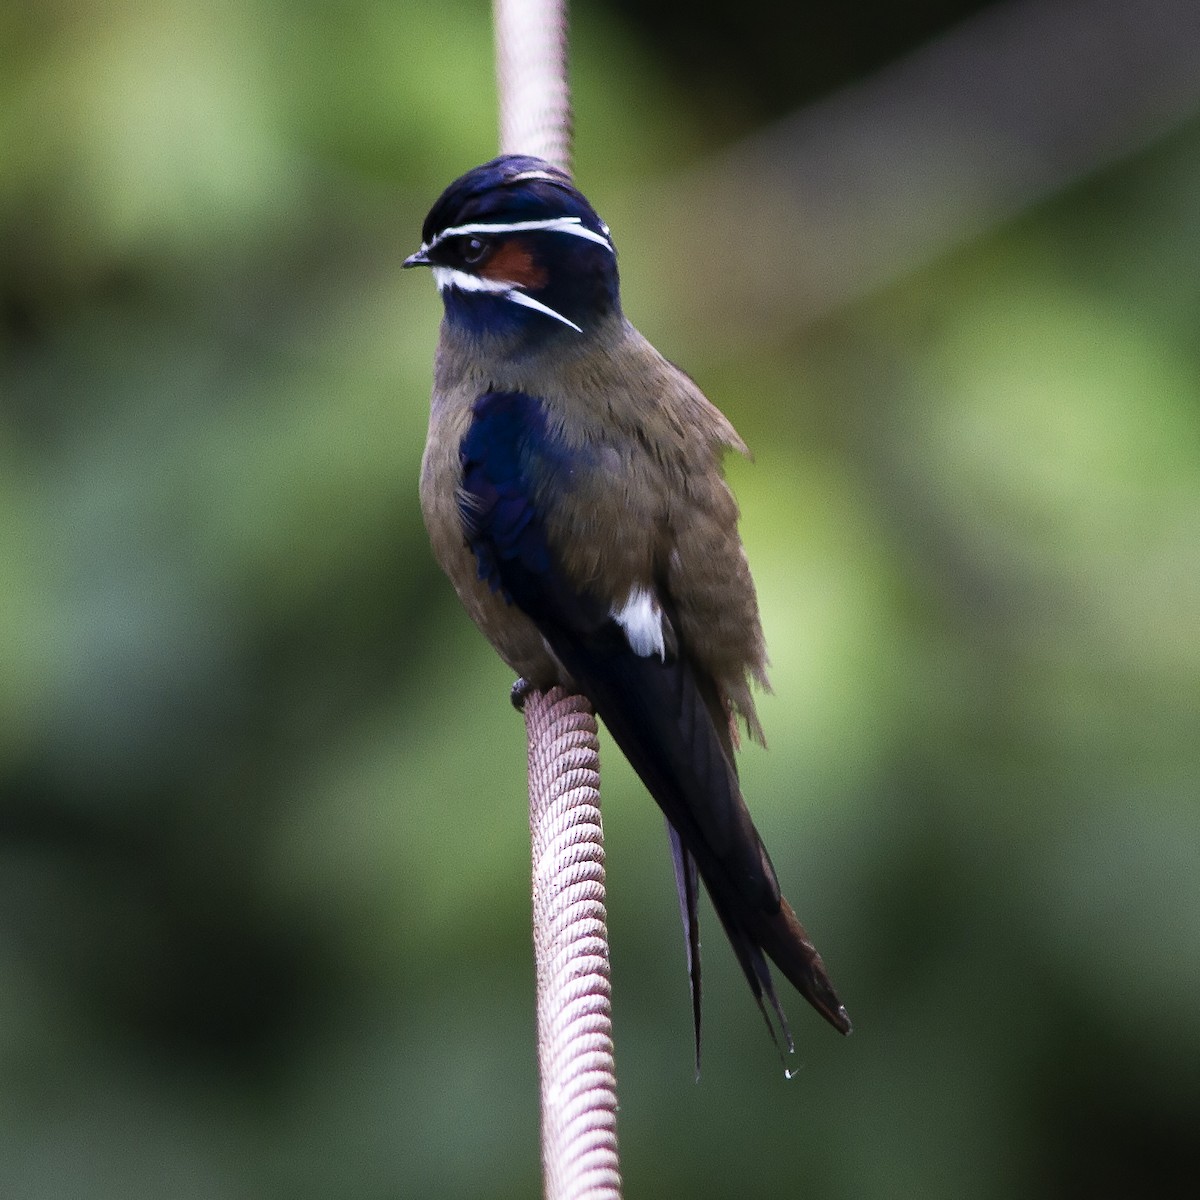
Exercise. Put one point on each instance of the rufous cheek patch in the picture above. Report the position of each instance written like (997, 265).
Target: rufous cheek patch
(512, 262)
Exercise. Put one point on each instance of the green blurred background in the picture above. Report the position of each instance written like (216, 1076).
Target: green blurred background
(263, 853)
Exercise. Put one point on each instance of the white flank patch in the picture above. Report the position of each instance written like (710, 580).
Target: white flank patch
(571, 225)
(449, 277)
(641, 619)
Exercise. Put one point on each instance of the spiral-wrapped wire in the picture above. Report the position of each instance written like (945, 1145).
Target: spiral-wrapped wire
(531, 77)
(570, 937)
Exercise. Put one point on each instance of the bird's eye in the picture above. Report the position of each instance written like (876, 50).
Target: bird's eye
(472, 249)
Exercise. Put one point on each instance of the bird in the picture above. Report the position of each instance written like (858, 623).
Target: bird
(573, 490)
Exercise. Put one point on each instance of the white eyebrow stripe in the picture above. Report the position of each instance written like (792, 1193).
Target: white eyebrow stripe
(571, 225)
(448, 277)
(534, 174)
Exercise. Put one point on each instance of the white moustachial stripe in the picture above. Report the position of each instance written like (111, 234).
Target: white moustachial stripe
(527, 301)
(642, 620)
(449, 277)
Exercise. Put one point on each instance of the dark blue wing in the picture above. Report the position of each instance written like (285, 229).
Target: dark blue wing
(509, 462)
(659, 709)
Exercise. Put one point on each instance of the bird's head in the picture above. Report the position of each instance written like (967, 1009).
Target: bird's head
(518, 252)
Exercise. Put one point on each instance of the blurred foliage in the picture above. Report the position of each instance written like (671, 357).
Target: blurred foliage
(262, 832)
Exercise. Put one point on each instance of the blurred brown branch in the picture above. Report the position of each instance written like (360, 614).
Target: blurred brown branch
(1006, 110)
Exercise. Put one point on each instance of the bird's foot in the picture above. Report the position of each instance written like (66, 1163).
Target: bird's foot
(519, 692)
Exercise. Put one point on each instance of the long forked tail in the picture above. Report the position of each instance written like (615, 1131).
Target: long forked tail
(782, 938)
(657, 713)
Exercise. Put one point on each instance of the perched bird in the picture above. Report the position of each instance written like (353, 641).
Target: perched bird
(573, 492)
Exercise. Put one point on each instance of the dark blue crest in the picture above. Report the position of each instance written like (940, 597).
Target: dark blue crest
(513, 187)
(519, 254)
